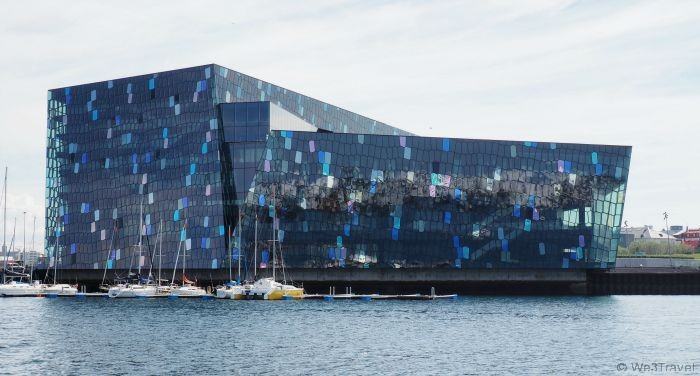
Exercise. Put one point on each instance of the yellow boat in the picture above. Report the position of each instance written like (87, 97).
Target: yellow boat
(269, 289)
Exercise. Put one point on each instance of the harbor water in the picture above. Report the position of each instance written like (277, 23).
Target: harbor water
(469, 335)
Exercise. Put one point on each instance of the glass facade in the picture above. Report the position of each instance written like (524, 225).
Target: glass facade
(355, 200)
(153, 145)
(192, 148)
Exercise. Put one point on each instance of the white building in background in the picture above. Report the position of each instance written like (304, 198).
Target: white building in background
(32, 256)
(628, 235)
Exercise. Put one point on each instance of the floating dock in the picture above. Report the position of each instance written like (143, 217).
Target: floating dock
(368, 297)
(348, 295)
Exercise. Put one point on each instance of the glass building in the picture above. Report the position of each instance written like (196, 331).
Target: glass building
(206, 156)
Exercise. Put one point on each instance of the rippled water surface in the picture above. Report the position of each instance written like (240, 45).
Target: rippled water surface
(470, 335)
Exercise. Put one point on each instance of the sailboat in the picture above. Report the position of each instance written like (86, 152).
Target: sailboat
(104, 286)
(268, 288)
(140, 289)
(12, 272)
(149, 288)
(233, 289)
(187, 289)
(13, 282)
(56, 289)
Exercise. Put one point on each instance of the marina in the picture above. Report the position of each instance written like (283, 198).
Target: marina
(246, 296)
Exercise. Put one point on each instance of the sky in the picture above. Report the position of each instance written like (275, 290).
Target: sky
(610, 72)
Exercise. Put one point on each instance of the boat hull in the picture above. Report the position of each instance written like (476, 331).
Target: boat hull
(19, 292)
(60, 290)
(188, 292)
(285, 294)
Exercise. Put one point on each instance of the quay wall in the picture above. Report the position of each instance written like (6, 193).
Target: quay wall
(624, 281)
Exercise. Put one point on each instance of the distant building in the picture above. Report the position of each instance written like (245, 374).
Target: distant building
(628, 235)
(675, 229)
(690, 237)
(30, 258)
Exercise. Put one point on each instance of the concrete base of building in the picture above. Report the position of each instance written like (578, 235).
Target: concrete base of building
(644, 281)
(450, 281)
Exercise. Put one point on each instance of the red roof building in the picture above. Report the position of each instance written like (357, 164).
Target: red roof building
(690, 237)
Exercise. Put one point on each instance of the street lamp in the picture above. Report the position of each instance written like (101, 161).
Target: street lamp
(24, 240)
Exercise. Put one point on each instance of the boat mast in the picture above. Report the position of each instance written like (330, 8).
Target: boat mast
(160, 249)
(230, 255)
(140, 237)
(12, 247)
(109, 251)
(150, 262)
(274, 227)
(55, 262)
(184, 258)
(284, 273)
(177, 258)
(255, 249)
(31, 271)
(4, 224)
(24, 241)
(240, 243)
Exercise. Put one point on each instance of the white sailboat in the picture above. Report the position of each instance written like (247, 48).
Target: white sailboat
(268, 288)
(12, 285)
(57, 289)
(149, 289)
(15, 288)
(187, 289)
(140, 289)
(233, 289)
(12, 273)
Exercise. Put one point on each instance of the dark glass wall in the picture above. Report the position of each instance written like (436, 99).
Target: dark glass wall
(245, 126)
(150, 148)
(159, 147)
(346, 200)
(130, 152)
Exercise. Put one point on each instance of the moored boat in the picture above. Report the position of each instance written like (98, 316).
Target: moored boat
(133, 291)
(269, 289)
(233, 290)
(18, 288)
(188, 290)
(60, 289)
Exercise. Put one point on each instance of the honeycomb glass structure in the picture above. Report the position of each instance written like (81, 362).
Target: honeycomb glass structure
(193, 150)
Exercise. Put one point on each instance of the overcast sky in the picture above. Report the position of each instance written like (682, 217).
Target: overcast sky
(619, 72)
